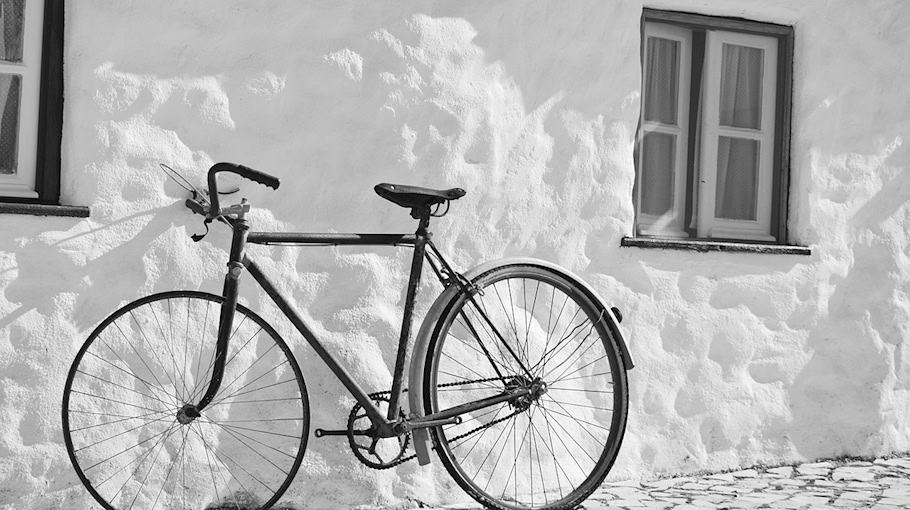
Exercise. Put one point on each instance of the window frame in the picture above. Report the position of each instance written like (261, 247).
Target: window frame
(782, 117)
(50, 111)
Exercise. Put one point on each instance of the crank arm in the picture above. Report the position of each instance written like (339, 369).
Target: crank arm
(323, 433)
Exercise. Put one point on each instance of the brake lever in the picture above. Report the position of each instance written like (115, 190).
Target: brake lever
(198, 237)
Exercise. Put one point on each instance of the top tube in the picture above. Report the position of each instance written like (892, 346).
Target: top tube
(331, 239)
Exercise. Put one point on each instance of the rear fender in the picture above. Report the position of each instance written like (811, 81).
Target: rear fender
(422, 340)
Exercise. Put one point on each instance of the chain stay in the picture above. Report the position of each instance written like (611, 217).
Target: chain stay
(460, 436)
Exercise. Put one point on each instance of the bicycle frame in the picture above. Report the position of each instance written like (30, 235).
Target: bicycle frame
(388, 425)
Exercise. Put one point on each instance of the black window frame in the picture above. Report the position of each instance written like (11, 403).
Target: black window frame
(50, 112)
(783, 111)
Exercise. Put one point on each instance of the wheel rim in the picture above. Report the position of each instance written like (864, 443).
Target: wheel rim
(553, 447)
(129, 423)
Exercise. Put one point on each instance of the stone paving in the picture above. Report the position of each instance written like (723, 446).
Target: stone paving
(883, 484)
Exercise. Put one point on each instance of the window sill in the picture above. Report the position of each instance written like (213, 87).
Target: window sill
(702, 245)
(74, 211)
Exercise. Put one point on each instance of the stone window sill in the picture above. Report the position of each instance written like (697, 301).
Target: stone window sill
(704, 245)
(74, 211)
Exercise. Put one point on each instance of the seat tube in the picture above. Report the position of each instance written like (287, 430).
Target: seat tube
(230, 292)
(413, 283)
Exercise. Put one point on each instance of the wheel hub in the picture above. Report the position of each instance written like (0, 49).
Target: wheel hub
(187, 414)
(536, 388)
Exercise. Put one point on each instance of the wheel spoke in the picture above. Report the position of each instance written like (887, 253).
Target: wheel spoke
(202, 383)
(149, 343)
(93, 376)
(239, 391)
(117, 401)
(168, 340)
(141, 359)
(237, 435)
(127, 431)
(579, 369)
(565, 363)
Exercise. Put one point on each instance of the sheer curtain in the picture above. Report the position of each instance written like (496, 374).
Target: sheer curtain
(11, 17)
(662, 78)
(737, 158)
(9, 123)
(660, 106)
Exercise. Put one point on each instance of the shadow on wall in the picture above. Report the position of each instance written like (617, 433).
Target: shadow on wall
(847, 399)
(438, 99)
(51, 294)
(46, 269)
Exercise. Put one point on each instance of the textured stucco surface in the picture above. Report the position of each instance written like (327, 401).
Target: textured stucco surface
(532, 108)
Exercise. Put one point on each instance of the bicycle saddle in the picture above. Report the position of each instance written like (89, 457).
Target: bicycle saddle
(415, 197)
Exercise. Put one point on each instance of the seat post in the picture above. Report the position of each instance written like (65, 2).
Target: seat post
(422, 214)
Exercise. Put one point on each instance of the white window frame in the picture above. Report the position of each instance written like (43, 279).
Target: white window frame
(710, 226)
(23, 184)
(670, 224)
(692, 215)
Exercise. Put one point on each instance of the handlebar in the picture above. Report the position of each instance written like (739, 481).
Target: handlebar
(214, 209)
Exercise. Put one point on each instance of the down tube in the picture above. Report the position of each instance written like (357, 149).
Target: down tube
(376, 416)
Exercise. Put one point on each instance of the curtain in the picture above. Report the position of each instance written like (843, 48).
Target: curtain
(737, 158)
(660, 105)
(9, 122)
(737, 178)
(11, 21)
(657, 163)
(662, 78)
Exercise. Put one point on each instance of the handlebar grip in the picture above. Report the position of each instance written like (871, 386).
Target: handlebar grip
(257, 176)
(243, 171)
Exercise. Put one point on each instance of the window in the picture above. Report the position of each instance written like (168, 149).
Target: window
(31, 100)
(712, 151)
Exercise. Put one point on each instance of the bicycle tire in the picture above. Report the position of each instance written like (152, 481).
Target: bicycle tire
(584, 390)
(136, 371)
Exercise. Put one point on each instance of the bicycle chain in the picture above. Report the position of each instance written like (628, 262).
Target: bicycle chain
(460, 436)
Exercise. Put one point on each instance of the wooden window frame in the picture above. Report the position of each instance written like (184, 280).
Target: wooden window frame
(50, 111)
(782, 110)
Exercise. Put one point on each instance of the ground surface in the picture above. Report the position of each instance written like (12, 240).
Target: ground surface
(882, 484)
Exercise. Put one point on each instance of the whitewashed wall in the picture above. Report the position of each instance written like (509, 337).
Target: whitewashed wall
(532, 108)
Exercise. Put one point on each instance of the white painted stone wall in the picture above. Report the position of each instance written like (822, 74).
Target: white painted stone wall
(531, 106)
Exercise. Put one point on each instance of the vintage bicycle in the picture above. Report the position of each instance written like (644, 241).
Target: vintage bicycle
(186, 399)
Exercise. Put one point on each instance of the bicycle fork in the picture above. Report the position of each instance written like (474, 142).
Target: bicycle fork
(240, 227)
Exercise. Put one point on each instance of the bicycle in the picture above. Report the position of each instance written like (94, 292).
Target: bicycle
(517, 378)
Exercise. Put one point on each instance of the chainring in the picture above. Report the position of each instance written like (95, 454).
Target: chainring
(376, 452)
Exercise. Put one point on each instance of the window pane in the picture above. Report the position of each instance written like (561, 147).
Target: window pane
(740, 86)
(9, 122)
(657, 168)
(11, 16)
(737, 178)
(662, 79)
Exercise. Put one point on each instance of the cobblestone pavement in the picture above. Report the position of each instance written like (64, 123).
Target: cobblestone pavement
(883, 484)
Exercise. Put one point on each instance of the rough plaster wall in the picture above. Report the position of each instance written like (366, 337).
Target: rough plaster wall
(532, 108)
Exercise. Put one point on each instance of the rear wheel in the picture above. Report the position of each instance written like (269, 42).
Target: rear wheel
(535, 329)
(125, 420)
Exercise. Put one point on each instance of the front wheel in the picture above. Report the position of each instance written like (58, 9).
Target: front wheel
(530, 328)
(127, 436)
